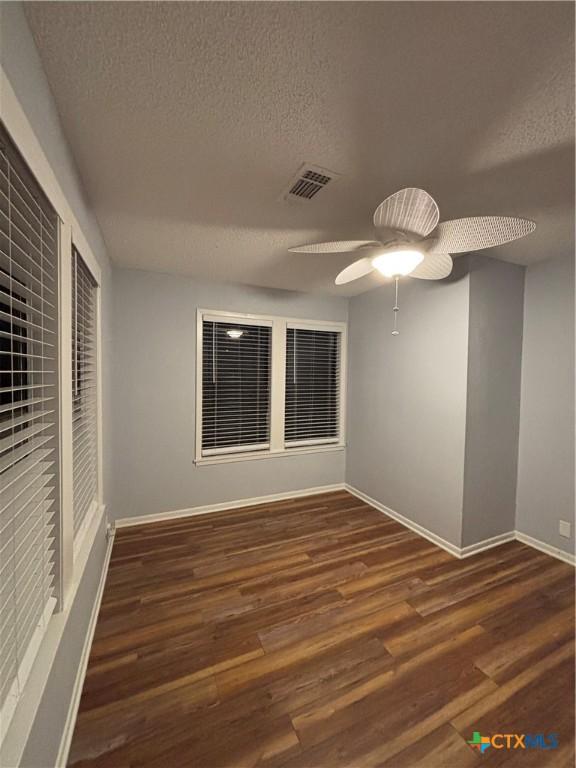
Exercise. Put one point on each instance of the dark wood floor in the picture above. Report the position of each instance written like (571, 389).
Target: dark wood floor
(318, 632)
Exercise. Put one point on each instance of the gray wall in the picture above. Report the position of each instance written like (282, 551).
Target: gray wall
(407, 400)
(546, 455)
(434, 412)
(154, 396)
(493, 407)
(21, 63)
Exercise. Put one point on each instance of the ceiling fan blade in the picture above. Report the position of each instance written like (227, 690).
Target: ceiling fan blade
(338, 246)
(434, 267)
(410, 210)
(477, 232)
(355, 270)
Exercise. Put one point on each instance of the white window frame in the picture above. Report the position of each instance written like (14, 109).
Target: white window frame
(72, 559)
(95, 271)
(72, 547)
(279, 325)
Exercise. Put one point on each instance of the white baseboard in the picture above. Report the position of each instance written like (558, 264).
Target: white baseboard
(566, 557)
(471, 549)
(419, 529)
(66, 740)
(482, 546)
(453, 549)
(125, 522)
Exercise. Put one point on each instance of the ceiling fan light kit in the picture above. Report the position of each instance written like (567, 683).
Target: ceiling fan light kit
(397, 263)
(413, 243)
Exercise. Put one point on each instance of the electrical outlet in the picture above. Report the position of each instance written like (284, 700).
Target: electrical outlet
(564, 529)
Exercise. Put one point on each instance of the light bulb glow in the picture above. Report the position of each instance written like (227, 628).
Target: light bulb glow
(397, 263)
(234, 333)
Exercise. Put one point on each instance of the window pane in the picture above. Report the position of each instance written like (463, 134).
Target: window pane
(235, 387)
(84, 382)
(312, 386)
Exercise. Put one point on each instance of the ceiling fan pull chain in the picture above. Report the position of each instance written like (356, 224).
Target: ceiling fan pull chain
(396, 308)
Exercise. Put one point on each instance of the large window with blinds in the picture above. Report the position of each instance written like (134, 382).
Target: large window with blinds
(29, 432)
(84, 394)
(267, 385)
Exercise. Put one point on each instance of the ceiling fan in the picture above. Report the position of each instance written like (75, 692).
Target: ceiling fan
(413, 242)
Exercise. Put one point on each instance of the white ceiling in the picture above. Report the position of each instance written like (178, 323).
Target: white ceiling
(187, 120)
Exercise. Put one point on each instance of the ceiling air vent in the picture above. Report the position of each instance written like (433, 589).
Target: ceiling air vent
(309, 180)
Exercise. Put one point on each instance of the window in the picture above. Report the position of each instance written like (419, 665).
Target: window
(29, 432)
(84, 382)
(235, 387)
(267, 386)
(312, 387)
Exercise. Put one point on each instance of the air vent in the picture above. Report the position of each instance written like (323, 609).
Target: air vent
(306, 184)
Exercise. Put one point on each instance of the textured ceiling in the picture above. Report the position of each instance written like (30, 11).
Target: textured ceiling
(187, 120)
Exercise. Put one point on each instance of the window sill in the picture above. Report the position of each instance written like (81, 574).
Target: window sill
(229, 458)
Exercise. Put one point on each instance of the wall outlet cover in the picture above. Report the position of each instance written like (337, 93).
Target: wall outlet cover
(564, 529)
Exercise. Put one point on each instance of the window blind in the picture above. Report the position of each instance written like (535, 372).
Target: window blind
(29, 458)
(236, 362)
(84, 382)
(312, 408)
